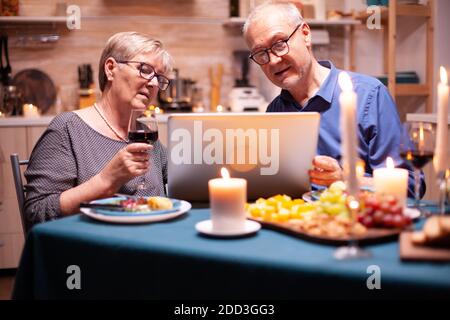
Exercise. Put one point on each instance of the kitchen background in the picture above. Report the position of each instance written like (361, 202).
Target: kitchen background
(199, 35)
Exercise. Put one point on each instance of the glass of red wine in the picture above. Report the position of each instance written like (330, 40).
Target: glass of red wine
(142, 128)
(417, 148)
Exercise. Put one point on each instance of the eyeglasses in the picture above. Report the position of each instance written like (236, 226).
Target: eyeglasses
(279, 48)
(147, 72)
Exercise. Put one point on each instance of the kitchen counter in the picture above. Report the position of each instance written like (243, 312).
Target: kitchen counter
(45, 120)
(425, 117)
(26, 122)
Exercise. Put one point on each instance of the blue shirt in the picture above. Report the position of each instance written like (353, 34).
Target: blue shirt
(379, 127)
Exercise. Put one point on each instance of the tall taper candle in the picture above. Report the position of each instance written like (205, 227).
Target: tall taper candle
(349, 137)
(440, 153)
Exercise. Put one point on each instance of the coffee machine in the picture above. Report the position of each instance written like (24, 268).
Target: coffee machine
(244, 97)
(178, 96)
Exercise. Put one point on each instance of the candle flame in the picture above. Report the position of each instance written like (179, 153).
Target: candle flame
(390, 163)
(443, 72)
(345, 82)
(360, 168)
(353, 204)
(421, 135)
(225, 174)
(219, 108)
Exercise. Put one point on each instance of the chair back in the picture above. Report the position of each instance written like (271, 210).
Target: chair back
(20, 188)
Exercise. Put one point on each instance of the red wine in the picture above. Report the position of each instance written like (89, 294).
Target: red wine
(417, 159)
(143, 136)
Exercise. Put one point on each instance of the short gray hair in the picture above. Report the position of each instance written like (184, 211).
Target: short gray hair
(126, 45)
(289, 10)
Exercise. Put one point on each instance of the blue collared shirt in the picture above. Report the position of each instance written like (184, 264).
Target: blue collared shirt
(379, 126)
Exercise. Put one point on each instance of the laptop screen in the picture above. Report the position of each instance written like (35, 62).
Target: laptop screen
(272, 151)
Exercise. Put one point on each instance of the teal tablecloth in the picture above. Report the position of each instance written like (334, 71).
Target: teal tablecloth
(170, 260)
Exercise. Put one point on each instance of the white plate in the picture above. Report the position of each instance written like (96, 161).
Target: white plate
(205, 227)
(412, 213)
(185, 207)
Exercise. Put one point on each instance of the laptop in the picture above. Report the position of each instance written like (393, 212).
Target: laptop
(272, 151)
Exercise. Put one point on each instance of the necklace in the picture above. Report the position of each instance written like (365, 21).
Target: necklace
(109, 126)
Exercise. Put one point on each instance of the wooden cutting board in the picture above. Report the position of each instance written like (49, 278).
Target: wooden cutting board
(36, 88)
(411, 252)
(373, 235)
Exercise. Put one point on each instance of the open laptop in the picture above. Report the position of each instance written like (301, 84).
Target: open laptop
(273, 151)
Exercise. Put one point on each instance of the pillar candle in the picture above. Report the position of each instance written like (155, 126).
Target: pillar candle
(391, 181)
(227, 200)
(30, 111)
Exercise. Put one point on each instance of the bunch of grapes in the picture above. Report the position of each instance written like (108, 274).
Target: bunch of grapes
(382, 212)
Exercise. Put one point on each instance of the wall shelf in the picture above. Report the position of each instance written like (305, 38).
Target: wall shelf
(35, 19)
(239, 22)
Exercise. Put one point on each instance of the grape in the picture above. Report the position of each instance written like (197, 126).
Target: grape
(378, 217)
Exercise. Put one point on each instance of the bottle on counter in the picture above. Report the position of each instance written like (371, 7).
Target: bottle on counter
(87, 92)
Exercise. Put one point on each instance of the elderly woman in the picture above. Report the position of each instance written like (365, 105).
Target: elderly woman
(85, 155)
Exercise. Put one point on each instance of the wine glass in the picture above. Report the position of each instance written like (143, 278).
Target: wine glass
(352, 250)
(142, 128)
(417, 148)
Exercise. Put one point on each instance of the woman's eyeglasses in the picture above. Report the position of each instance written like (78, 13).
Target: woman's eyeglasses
(147, 72)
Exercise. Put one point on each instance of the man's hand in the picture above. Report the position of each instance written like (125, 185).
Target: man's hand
(325, 171)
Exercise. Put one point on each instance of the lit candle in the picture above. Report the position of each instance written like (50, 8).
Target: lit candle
(391, 181)
(440, 153)
(347, 100)
(30, 111)
(227, 199)
(219, 108)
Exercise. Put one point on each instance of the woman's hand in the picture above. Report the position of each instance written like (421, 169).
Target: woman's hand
(129, 162)
(325, 171)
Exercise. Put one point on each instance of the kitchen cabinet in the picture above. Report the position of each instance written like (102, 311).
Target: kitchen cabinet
(17, 135)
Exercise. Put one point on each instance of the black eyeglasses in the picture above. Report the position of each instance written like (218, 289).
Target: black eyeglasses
(147, 72)
(279, 48)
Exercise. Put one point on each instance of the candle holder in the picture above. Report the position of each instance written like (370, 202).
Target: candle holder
(352, 250)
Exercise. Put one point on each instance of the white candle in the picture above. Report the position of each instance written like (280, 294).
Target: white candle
(30, 111)
(349, 144)
(227, 199)
(440, 153)
(391, 181)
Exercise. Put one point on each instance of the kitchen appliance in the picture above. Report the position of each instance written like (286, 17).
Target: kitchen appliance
(10, 97)
(244, 97)
(178, 96)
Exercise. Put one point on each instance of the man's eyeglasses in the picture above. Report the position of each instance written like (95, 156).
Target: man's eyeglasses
(147, 72)
(279, 48)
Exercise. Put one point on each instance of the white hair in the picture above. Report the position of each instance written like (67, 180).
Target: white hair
(287, 9)
(126, 45)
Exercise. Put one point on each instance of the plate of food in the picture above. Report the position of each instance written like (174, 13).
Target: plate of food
(315, 194)
(135, 209)
(328, 220)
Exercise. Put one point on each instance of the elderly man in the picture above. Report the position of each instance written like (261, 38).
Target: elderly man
(280, 43)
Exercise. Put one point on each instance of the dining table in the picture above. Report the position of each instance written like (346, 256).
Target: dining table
(78, 257)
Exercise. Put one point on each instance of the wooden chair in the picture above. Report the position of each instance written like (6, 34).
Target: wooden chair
(20, 188)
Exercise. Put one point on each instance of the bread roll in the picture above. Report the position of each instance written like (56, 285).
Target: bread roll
(159, 203)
